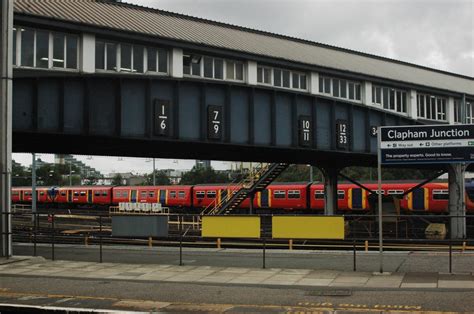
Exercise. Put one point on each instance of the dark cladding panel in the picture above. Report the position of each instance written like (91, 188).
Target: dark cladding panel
(283, 120)
(323, 124)
(391, 120)
(359, 134)
(73, 106)
(189, 111)
(48, 105)
(23, 98)
(375, 120)
(102, 102)
(133, 108)
(303, 106)
(239, 116)
(262, 114)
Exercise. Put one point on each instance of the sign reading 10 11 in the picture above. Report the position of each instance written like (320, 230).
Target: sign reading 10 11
(214, 122)
(304, 130)
(162, 117)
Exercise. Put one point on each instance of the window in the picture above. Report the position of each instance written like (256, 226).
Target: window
(143, 194)
(395, 192)
(27, 44)
(42, 49)
(71, 52)
(279, 194)
(157, 60)
(431, 107)
(319, 195)
(281, 78)
(264, 75)
(152, 59)
(286, 78)
(83, 193)
(172, 194)
(219, 69)
(151, 194)
(390, 98)
(118, 194)
(138, 59)
(96, 193)
(99, 55)
(341, 194)
(131, 58)
(211, 194)
(106, 56)
(294, 194)
(63, 193)
(234, 70)
(162, 61)
(200, 194)
(339, 88)
(41, 193)
(277, 77)
(440, 195)
(14, 46)
(104, 193)
(111, 56)
(181, 194)
(58, 51)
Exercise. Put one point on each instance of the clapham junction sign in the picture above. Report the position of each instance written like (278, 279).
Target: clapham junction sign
(427, 144)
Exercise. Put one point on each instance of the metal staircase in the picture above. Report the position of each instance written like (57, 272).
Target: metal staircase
(257, 181)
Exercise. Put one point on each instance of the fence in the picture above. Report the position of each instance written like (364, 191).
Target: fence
(359, 234)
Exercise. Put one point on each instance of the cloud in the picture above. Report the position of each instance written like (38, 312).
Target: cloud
(433, 33)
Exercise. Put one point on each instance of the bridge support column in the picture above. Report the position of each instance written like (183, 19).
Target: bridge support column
(457, 205)
(6, 31)
(330, 190)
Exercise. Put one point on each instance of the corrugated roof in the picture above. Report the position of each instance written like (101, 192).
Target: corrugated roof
(132, 18)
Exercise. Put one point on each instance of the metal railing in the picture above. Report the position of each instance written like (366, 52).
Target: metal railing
(400, 233)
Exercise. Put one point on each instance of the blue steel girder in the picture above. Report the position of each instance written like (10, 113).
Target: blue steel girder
(177, 118)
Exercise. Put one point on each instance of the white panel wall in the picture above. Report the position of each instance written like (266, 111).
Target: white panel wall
(88, 53)
(176, 63)
(314, 83)
(412, 105)
(251, 72)
(367, 93)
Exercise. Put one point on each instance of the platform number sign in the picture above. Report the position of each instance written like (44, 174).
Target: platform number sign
(304, 130)
(373, 131)
(162, 117)
(342, 135)
(214, 122)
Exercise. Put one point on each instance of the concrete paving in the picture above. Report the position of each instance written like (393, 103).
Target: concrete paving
(38, 266)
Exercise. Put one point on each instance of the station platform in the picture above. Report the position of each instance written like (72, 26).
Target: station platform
(37, 281)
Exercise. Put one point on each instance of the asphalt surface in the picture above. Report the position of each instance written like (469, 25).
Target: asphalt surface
(187, 297)
(337, 260)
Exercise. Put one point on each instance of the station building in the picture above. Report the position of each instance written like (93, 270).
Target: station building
(100, 37)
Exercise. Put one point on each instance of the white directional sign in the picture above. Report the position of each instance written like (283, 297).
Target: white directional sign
(427, 144)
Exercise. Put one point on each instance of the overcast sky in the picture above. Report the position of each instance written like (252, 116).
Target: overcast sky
(433, 33)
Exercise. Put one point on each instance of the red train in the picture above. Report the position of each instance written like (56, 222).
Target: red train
(301, 197)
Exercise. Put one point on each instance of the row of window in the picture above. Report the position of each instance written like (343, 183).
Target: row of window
(213, 68)
(469, 114)
(431, 107)
(281, 78)
(390, 98)
(120, 57)
(44, 49)
(340, 88)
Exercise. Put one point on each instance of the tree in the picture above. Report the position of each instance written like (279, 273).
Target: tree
(394, 174)
(298, 173)
(91, 179)
(199, 175)
(117, 180)
(20, 177)
(161, 178)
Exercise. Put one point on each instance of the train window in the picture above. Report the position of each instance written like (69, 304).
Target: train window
(181, 194)
(104, 193)
(440, 194)
(341, 194)
(83, 193)
(76, 193)
(200, 194)
(172, 194)
(319, 195)
(118, 194)
(151, 194)
(15, 193)
(211, 194)
(41, 193)
(294, 194)
(63, 193)
(395, 192)
(377, 191)
(96, 193)
(125, 194)
(279, 194)
(143, 194)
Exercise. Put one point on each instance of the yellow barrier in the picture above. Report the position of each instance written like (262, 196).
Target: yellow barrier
(230, 227)
(284, 227)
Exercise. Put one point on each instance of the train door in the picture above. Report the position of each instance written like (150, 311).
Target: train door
(222, 195)
(163, 197)
(89, 196)
(21, 196)
(356, 199)
(264, 200)
(133, 196)
(418, 199)
(69, 196)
